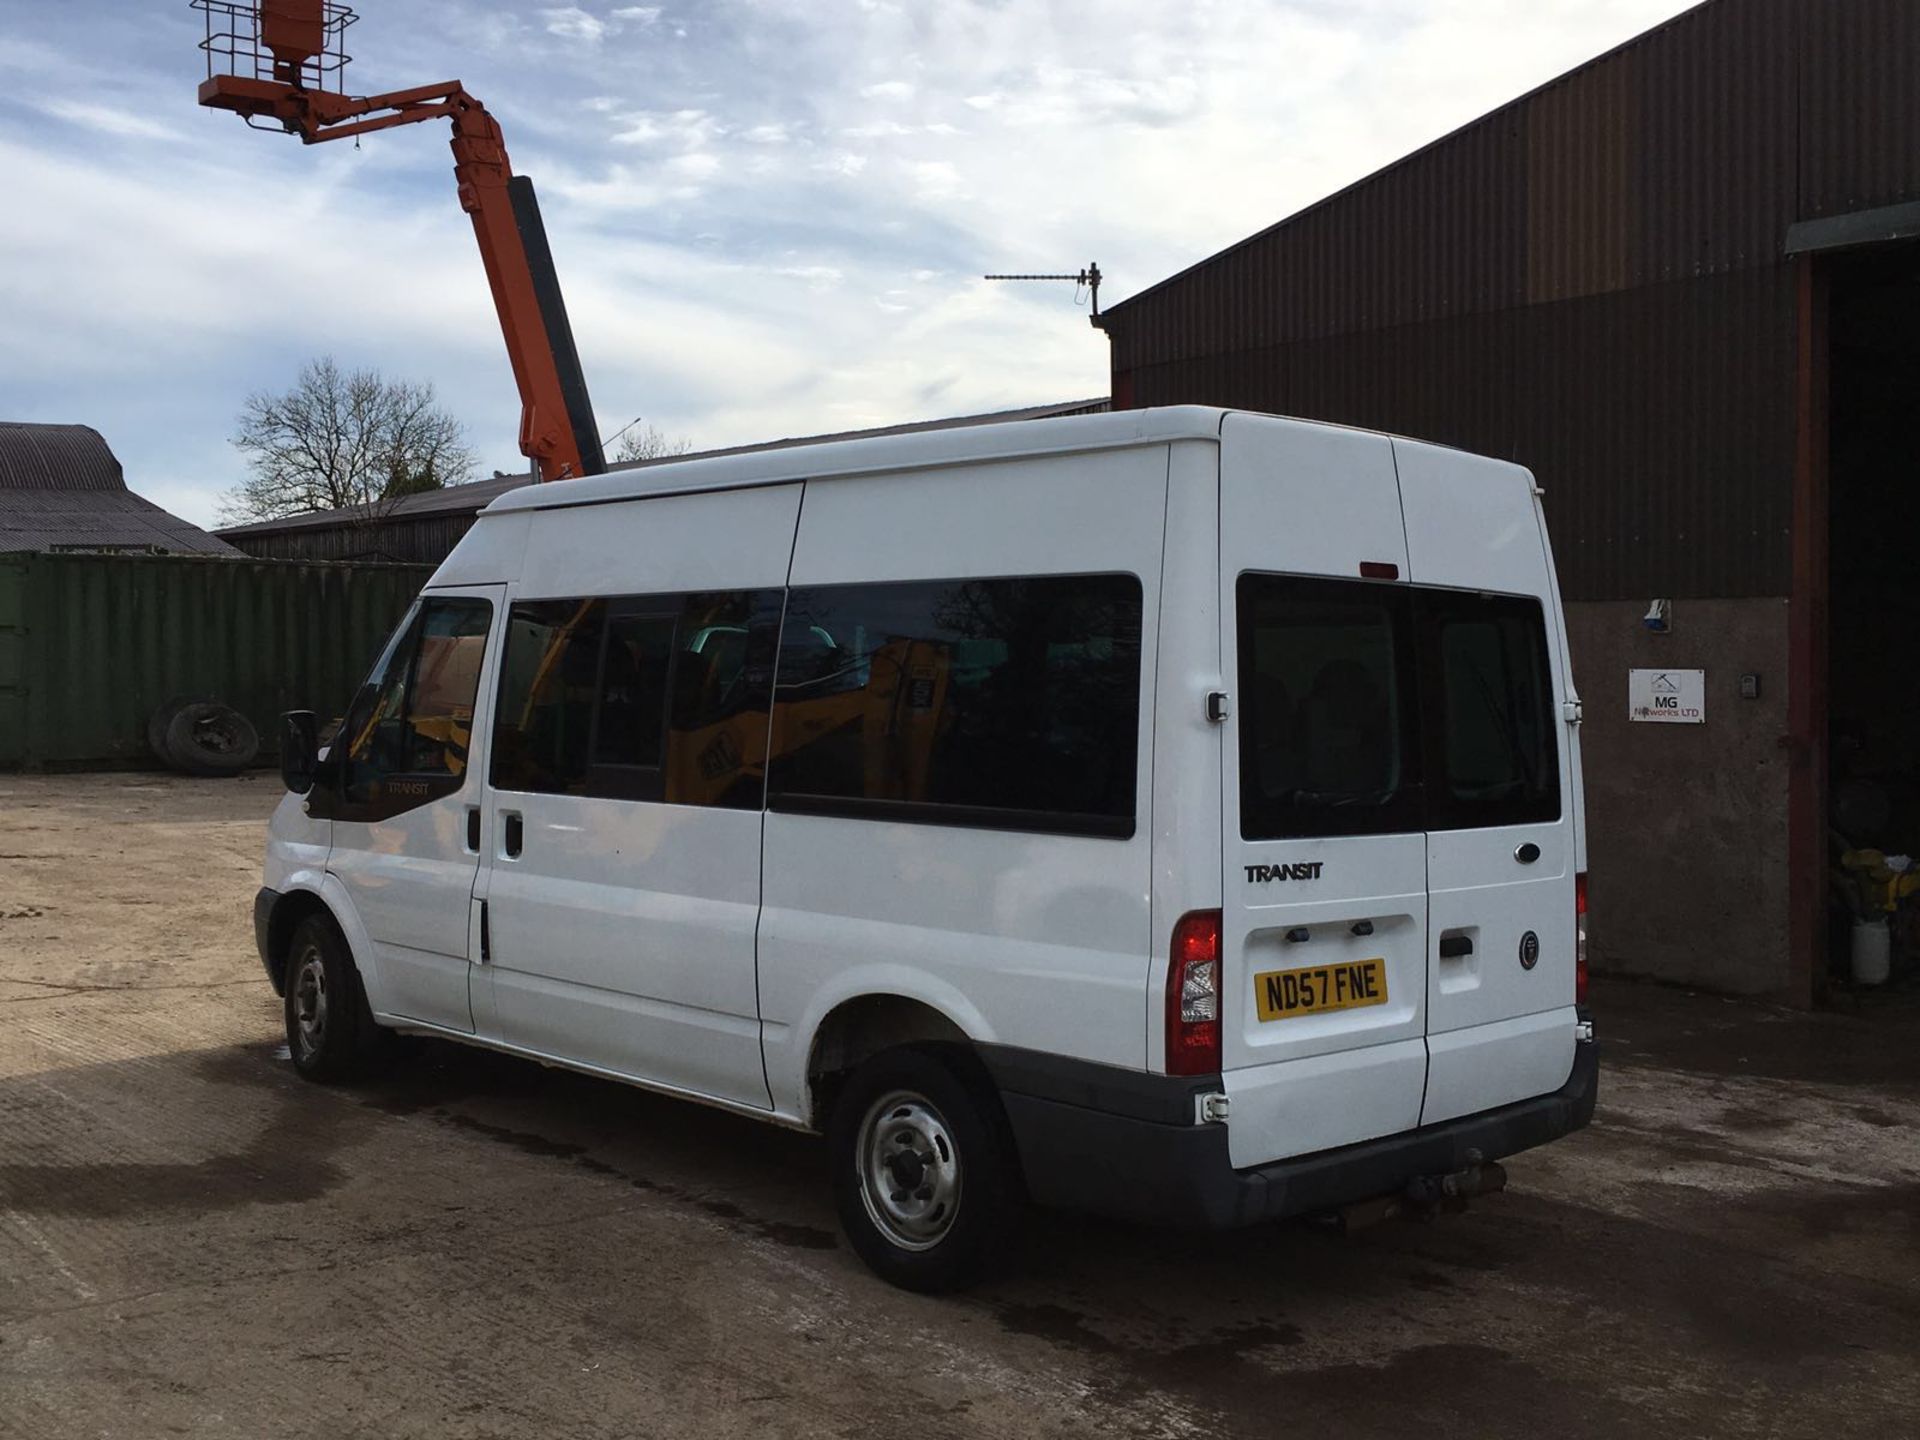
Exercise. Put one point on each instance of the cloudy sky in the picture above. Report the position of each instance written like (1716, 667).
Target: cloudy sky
(770, 216)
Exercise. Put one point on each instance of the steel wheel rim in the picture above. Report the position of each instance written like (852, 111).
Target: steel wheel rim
(310, 1001)
(909, 1170)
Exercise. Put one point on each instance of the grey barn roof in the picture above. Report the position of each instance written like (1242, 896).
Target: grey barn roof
(62, 489)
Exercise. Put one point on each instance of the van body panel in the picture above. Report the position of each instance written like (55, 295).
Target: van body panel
(1324, 1101)
(1474, 524)
(944, 813)
(1046, 933)
(1024, 442)
(1186, 745)
(732, 540)
(1067, 514)
(1483, 1067)
(409, 877)
(623, 933)
(1303, 500)
(486, 554)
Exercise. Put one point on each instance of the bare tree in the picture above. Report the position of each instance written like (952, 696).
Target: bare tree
(648, 442)
(340, 440)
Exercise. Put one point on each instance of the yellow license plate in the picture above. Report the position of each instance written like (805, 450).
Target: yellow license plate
(1317, 989)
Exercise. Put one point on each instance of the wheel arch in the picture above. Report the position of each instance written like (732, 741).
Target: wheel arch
(861, 1026)
(296, 905)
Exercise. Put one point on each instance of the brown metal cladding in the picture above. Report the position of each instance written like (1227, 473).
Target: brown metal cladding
(1658, 420)
(1590, 281)
(1860, 105)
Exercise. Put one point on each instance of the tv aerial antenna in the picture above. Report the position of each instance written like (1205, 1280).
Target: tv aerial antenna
(1087, 279)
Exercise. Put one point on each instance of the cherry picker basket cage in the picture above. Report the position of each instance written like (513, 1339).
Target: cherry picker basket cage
(235, 45)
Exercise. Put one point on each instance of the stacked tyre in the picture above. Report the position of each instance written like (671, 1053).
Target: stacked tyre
(202, 736)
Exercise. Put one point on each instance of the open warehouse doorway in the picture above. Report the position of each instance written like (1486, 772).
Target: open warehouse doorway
(1872, 911)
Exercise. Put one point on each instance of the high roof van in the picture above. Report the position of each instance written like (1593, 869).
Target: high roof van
(1172, 814)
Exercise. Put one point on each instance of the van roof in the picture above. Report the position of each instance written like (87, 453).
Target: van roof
(1020, 439)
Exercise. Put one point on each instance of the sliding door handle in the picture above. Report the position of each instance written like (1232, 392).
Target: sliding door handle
(473, 828)
(514, 834)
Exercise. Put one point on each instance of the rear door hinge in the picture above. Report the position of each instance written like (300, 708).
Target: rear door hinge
(1572, 710)
(1210, 1109)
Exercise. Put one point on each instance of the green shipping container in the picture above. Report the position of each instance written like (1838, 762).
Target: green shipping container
(91, 645)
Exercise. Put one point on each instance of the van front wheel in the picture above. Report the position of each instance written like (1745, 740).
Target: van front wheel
(331, 1033)
(923, 1172)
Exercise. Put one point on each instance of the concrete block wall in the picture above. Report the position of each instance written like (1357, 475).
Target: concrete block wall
(1687, 824)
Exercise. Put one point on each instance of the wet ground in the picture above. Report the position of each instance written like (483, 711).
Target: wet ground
(194, 1242)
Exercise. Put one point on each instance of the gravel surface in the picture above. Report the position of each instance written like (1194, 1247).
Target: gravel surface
(195, 1242)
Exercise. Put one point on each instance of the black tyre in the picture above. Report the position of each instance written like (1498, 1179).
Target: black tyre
(161, 718)
(208, 738)
(331, 1032)
(924, 1175)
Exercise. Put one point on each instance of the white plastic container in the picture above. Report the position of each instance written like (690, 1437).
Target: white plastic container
(1872, 951)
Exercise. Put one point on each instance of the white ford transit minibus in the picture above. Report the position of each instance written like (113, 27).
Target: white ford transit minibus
(1173, 814)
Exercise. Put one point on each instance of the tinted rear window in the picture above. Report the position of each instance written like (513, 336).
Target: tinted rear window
(1489, 681)
(1328, 744)
(1370, 709)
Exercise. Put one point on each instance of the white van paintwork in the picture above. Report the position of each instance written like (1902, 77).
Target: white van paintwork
(699, 950)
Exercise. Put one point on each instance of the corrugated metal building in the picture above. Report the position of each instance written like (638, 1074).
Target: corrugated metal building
(1680, 284)
(422, 529)
(62, 489)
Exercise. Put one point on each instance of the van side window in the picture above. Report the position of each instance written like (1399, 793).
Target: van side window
(1004, 703)
(627, 726)
(549, 677)
(413, 720)
(721, 691)
(1328, 744)
(1491, 689)
(661, 697)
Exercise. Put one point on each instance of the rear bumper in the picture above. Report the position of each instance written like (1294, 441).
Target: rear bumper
(1128, 1148)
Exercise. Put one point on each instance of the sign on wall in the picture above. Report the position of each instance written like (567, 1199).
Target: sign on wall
(1667, 697)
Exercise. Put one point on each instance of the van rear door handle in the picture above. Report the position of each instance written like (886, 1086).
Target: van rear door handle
(1452, 947)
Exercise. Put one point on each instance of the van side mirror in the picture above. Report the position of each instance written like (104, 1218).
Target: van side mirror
(299, 750)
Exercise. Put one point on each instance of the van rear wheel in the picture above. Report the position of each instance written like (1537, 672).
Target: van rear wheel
(923, 1169)
(331, 1033)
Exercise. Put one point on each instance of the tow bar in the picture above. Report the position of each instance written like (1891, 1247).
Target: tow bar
(1426, 1196)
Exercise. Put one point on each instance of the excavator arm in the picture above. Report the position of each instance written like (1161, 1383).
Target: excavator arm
(557, 430)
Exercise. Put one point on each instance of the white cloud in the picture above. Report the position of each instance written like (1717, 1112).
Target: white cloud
(637, 14)
(107, 120)
(570, 22)
(888, 90)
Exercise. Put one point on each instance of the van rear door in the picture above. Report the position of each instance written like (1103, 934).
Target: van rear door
(1499, 786)
(1324, 891)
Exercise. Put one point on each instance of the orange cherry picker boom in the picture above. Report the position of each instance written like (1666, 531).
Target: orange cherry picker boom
(278, 64)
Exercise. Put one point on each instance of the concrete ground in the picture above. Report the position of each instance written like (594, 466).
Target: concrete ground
(193, 1241)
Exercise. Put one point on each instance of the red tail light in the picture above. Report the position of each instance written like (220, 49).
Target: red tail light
(1580, 939)
(1193, 995)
